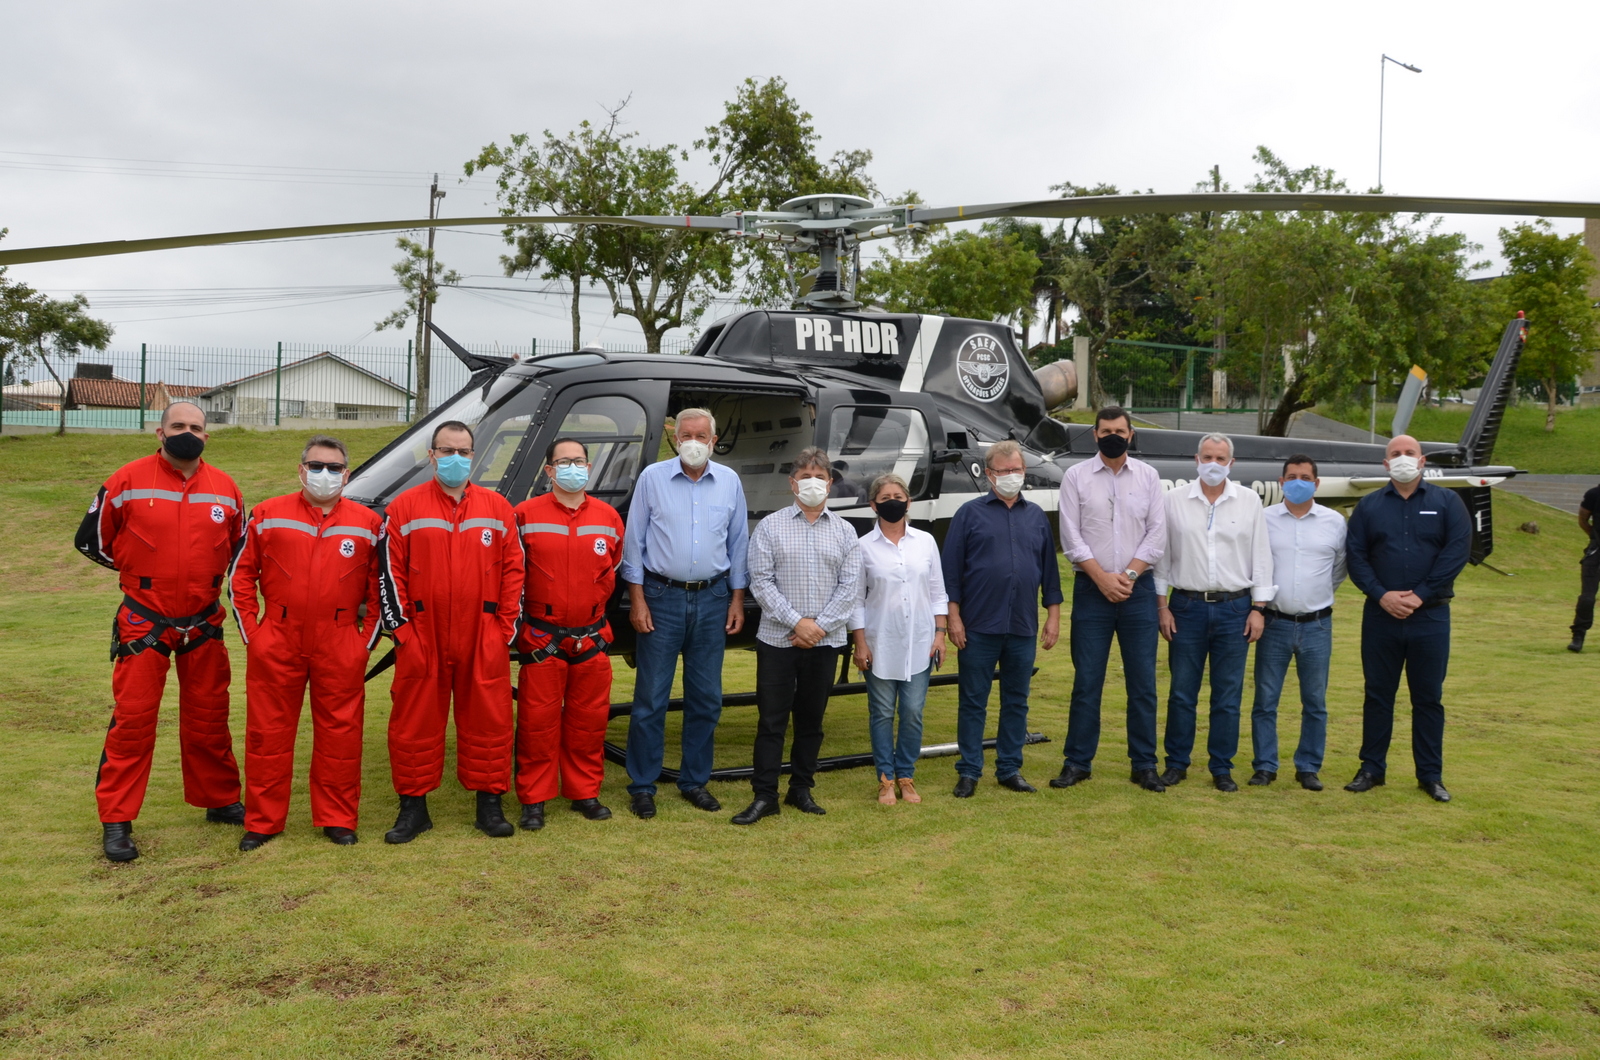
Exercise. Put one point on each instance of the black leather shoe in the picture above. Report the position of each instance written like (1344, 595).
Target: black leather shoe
(800, 799)
(1016, 783)
(757, 810)
(643, 806)
(1262, 777)
(1223, 782)
(1435, 790)
(491, 819)
(118, 841)
(1173, 776)
(1070, 775)
(965, 786)
(1577, 642)
(233, 814)
(1147, 779)
(532, 817)
(1309, 781)
(701, 799)
(255, 840)
(592, 809)
(340, 837)
(1364, 781)
(412, 821)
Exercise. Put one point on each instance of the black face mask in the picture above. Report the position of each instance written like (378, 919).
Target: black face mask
(184, 446)
(1111, 446)
(892, 511)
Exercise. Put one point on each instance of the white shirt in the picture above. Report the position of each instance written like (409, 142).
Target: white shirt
(1307, 557)
(1219, 547)
(901, 590)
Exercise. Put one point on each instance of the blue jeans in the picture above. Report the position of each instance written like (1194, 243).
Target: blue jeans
(1133, 622)
(1310, 645)
(897, 758)
(1419, 645)
(1014, 655)
(690, 624)
(1214, 631)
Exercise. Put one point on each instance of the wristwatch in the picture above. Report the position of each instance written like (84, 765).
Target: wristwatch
(1132, 574)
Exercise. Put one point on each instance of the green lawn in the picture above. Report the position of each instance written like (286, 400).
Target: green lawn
(1101, 922)
(1573, 448)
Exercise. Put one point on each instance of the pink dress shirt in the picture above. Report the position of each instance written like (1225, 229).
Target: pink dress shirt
(1111, 517)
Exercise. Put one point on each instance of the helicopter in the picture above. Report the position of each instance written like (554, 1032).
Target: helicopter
(920, 395)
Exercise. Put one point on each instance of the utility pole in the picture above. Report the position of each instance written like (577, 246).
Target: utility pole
(1383, 70)
(425, 296)
(1219, 337)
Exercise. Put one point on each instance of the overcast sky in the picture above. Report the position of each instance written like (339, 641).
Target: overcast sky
(359, 102)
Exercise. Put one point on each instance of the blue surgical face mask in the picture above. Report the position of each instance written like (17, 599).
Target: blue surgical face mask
(453, 470)
(572, 477)
(1298, 490)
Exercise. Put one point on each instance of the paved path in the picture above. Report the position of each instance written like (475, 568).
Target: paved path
(1558, 491)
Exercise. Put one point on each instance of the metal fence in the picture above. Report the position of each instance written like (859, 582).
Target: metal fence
(288, 384)
(1161, 377)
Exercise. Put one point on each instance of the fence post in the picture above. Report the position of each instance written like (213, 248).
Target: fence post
(143, 359)
(277, 391)
(533, 348)
(408, 381)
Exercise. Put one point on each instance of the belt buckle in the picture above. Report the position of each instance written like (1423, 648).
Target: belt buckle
(1212, 596)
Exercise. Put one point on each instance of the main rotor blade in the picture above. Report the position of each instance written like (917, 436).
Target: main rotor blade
(1196, 202)
(263, 235)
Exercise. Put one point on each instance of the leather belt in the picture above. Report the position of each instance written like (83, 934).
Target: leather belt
(1211, 596)
(1306, 616)
(692, 587)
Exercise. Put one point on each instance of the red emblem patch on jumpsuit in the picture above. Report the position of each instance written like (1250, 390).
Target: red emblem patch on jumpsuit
(563, 705)
(314, 573)
(450, 583)
(170, 540)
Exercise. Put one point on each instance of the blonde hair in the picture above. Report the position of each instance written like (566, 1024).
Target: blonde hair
(999, 449)
(887, 479)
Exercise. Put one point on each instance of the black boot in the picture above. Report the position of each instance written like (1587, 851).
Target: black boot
(256, 840)
(412, 822)
(532, 816)
(592, 809)
(118, 841)
(230, 814)
(1577, 640)
(491, 818)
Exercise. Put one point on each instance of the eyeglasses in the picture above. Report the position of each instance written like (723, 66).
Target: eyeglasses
(445, 450)
(570, 461)
(1009, 470)
(323, 465)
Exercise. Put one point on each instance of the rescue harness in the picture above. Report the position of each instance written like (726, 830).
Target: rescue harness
(196, 631)
(558, 635)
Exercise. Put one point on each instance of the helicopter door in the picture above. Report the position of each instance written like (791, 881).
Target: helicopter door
(619, 423)
(867, 440)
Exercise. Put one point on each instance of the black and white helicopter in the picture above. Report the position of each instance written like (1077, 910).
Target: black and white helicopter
(921, 395)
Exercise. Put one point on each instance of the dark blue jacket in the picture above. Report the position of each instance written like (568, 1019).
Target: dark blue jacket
(1417, 544)
(996, 561)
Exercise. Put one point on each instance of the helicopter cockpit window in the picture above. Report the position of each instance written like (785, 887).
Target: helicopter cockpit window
(865, 441)
(613, 430)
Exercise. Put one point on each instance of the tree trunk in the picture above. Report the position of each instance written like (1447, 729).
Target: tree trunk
(577, 326)
(1277, 425)
(62, 429)
(1552, 391)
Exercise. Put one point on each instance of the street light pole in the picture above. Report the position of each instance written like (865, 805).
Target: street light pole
(1383, 70)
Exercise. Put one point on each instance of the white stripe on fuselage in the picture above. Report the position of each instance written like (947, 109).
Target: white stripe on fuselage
(921, 353)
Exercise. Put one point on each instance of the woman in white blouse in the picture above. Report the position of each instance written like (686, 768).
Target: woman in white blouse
(898, 629)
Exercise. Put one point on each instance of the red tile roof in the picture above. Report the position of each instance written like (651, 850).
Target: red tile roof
(121, 394)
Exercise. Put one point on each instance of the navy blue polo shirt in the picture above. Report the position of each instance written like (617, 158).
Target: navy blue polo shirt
(1417, 543)
(996, 561)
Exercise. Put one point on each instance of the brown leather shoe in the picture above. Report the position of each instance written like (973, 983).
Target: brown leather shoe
(908, 790)
(885, 790)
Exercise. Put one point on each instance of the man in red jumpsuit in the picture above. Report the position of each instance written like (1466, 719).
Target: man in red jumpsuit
(313, 556)
(574, 545)
(168, 524)
(450, 586)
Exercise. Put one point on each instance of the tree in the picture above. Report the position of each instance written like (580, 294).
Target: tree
(59, 326)
(421, 275)
(1548, 278)
(986, 276)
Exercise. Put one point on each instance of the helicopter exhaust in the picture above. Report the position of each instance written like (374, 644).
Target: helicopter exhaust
(1059, 381)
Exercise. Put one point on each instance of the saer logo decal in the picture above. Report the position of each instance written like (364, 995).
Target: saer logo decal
(982, 367)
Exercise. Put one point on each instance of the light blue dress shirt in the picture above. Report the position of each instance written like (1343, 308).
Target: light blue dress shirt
(687, 530)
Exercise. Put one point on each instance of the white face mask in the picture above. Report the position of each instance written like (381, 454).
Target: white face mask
(324, 485)
(1404, 468)
(811, 491)
(1008, 485)
(1214, 474)
(693, 453)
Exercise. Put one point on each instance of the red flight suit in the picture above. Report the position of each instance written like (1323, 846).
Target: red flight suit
(450, 582)
(170, 540)
(316, 572)
(564, 691)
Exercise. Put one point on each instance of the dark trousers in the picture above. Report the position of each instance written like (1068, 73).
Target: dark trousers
(1421, 646)
(790, 681)
(984, 652)
(1583, 618)
(1095, 620)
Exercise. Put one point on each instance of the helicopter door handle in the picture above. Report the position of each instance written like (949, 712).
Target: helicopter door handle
(947, 456)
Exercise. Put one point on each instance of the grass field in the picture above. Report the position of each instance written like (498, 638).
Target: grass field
(1099, 922)
(1573, 448)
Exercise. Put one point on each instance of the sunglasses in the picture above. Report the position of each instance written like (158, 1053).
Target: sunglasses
(320, 465)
